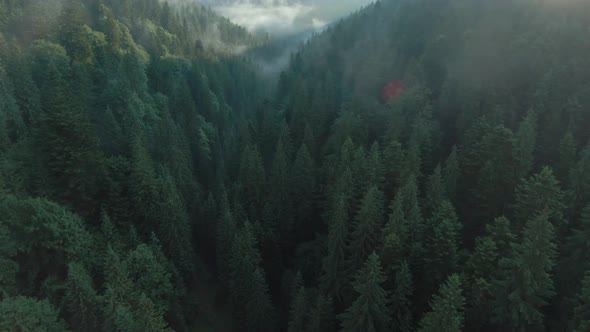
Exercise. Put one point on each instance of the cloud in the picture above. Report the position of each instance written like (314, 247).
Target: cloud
(275, 19)
(283, 17)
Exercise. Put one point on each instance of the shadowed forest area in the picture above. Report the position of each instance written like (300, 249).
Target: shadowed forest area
(420, 165)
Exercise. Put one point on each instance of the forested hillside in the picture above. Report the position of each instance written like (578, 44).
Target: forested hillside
(423, 166)
(116, 121)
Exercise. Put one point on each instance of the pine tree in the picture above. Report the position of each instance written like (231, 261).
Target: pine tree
(375, 169)
(173, 225)
(82, 302)
(539, 194)
(302, 185)
(480, 269)
(253, 180)
(322, 315)
(334, 275)
(29, 314)
(525, 284)
(226, 232)
(567, 157)
(280, 202)
(441, 255)
(366, 234)
(298, 313)
(69, 148)
(260, 312)
(413, 216)
(369, 311)
(435, 190)
(248, 286)
(525, 144)
(500, 231)
(582, 309)
(451, 173)
(401, 306)
(447, 308)
(576, 258)
(395, 239)
(393, 161)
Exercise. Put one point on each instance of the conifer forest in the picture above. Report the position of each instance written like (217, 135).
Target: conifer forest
(416, 165)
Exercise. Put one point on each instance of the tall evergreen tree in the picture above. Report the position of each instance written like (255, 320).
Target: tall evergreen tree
(540, 193)
(525, 144)
(366, 234)
(298, 313)
(401, 306)
(28, 314)
(451, 173)
(582, 309)
(435, 190)
(334, 271)
(441, 257)
(69, 148)
(82, 302)
(447, 308)
(369, 311)
(526, 284)
(322, 315)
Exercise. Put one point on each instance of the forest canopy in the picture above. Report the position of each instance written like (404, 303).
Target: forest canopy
(419, 166)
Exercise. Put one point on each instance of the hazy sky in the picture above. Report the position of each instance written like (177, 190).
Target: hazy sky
(281, 17)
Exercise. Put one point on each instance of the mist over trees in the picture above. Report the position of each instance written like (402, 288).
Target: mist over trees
(148, 182)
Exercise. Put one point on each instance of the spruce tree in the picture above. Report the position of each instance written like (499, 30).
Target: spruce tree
(369, 311)
(28, 314)
(366, 234)
(395, 238)
(435, 190)
(400, 303)
(446, 313)
(567, 157)
(82, 301)
(539, 194)
(322, 316)
(441, 255)
(582, 309)
(68, 146)
(334, 271)
(525, 284)
(303, 181)
(525, 144)
(451, 173)
(298, 313)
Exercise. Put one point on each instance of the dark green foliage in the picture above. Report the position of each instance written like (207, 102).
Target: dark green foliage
(441, 250)
(446, 308)
(525, 144)
(451, 173)
(435, 190)
(582, 310)
(82, 301)
(540, 194)
(68, 146)
(334, 275)
(298, 314)
(400, 298)
(480, 270)
(395, 239)
(366, 234)
(248, 287)
(369, 311)
(137, 137)
(525, 284)
(27, 314)
(322, 316)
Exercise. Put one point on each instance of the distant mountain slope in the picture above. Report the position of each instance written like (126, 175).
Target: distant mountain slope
(176, 28)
